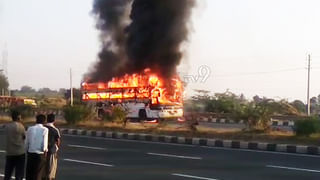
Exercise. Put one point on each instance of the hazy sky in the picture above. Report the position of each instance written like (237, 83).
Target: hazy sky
(251, 46)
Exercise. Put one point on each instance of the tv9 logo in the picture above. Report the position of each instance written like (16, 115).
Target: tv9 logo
(204, 73)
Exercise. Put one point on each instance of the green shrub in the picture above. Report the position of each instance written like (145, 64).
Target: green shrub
(255, 115)
(307, 126)
(115, 114)
(77, 113)
(119, 114)
(107, 115)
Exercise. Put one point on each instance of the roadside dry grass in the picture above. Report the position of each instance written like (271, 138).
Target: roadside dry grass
(273, 136)
(4, 118)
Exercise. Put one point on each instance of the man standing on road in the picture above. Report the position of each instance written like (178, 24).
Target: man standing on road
(37, 148)
(15, 147)
(53, 146)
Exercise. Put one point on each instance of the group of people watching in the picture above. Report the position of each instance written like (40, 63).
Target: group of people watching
(39, 145)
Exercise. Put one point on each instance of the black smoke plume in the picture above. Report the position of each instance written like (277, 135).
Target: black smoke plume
(110, 16)
(152, 39)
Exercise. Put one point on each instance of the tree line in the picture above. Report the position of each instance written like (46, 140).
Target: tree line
(255, 112)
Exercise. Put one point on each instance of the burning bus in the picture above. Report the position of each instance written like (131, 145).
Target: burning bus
(144, 96)
(142, 43)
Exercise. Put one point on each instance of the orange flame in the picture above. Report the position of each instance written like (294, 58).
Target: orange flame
(145, 86)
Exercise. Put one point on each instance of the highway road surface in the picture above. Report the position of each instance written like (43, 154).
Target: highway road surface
(90, 158)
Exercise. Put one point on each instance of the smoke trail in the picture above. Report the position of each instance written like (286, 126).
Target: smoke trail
(151, 40)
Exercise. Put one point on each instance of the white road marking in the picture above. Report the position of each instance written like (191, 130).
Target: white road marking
(88, 162)
(193, 177)
(2, 151)
(175, 156)
(267, 152)
(86, 147)
(261, 151)
(187, 145)
(2, 175)
(293, 168)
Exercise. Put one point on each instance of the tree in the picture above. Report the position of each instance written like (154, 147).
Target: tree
(198, 102)
(62, 91)
(201, 95)
(27, 89)
(46, 91)
(76, 95)
(219, 103)
(256, 98)
(283, 107)
(314, 105)
(227, 102)
(313, 101)
(255, 114)
(4, 84)
(299, 105)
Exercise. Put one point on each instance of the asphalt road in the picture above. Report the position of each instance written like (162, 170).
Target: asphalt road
(89, 158)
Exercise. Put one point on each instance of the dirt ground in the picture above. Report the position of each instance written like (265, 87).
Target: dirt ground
(182, 129)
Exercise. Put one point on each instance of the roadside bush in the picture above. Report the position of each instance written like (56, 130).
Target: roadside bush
(25, 110)
(115, 114)
(119, 114)
(106, 114)
(76, 114)
(307, 126)
(255, 115)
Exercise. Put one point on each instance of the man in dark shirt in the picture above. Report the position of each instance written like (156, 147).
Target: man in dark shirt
(53, 147)
(15, 147)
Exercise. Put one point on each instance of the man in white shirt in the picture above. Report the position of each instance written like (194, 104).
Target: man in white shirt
(37, 148)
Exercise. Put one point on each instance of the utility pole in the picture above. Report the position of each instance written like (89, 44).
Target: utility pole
(4, 69)
(5, 60)
(308, 88)
(2, 90)
(71, 89)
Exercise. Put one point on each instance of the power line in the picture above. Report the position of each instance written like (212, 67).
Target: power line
(263, 72)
